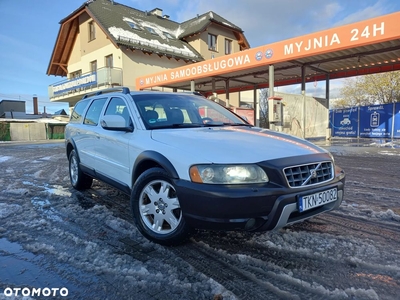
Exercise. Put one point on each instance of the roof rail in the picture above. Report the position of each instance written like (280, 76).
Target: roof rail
(122, 89)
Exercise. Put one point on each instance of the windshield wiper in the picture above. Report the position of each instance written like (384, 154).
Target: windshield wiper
(238, 124)
(177, 125)
(213, 124)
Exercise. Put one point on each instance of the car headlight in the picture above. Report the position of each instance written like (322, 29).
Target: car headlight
(227, 174)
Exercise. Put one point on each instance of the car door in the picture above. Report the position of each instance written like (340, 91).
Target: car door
(113, 154)
(89, 133)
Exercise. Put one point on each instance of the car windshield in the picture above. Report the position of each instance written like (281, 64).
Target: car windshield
(182, 111)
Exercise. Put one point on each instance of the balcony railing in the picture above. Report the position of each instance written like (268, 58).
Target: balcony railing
(103, 77)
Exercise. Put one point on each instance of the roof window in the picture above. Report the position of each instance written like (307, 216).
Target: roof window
(151, 30)
(133, 25)
(167, 35)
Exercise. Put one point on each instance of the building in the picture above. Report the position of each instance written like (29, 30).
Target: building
(105, 44)
(11, 107)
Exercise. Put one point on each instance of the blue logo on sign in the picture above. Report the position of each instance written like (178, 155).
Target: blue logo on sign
(259, 55)
(141, 82)
(269, 53)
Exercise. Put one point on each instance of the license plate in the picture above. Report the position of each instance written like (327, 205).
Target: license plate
(318, 199)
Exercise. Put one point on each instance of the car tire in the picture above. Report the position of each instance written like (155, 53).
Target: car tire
(156, 209)
(79, 180)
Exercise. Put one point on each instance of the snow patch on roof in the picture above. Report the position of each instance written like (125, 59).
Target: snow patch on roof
(157, 28)
(127, 36)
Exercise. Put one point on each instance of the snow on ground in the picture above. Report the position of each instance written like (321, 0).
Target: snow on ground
(93, 232)
(8, 209)
(39, 210)
(4, 158)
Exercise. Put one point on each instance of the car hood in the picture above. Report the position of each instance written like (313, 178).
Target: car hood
(233, 144)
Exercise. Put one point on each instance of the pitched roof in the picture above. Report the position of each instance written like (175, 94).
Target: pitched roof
(201, 22)
(115, 19)
(151, 33)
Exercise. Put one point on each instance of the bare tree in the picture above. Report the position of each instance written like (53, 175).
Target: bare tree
(264, 122)
(371, 89)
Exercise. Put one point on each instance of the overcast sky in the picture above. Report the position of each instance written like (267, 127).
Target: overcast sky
(28, 31)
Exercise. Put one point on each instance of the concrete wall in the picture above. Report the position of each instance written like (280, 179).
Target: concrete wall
(316, 116)
(28, 131)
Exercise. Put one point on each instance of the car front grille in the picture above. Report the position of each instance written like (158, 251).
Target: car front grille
(309, 174)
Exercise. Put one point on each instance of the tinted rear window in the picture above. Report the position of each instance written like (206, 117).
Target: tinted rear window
(77, 114)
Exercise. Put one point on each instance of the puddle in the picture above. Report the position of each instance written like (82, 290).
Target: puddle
(25, 269)
(19, 267)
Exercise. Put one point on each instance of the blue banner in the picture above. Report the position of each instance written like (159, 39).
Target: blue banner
(331, 119)
(376, 121)
(396, 132)
(345, 122)
(83, 81)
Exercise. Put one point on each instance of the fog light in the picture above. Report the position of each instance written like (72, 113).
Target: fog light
(250, 224)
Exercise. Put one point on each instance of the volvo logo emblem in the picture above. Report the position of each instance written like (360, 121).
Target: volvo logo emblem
(313, 173)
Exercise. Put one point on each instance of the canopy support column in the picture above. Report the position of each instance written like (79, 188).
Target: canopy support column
(303, 92)
(192, 86)
(328, 129)
(227, 92)
(256, 104)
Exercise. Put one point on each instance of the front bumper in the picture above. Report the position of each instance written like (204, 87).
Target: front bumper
(255, 208)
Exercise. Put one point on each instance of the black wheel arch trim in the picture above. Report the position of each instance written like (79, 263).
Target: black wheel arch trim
(157, 158)
(72, 142)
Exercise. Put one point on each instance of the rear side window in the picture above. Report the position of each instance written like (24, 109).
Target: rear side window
(77, 114)
(93, 113)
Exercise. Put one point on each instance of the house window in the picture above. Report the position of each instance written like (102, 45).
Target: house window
(212, 42)
(75, 74)
(228, 46)
(109, 61)
(92, 31)
(93, 66)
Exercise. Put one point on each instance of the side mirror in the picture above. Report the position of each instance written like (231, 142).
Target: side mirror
(116, 123)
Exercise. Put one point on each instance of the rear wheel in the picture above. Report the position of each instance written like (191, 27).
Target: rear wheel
(79, 180)
(156, 208)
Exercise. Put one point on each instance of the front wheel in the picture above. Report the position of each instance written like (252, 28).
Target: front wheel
(79, 180)
(156, 209)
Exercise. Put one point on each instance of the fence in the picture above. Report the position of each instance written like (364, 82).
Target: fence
(374, 121)
(30, 131)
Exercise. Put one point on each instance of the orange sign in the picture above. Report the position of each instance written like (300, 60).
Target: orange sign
(366, 32)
